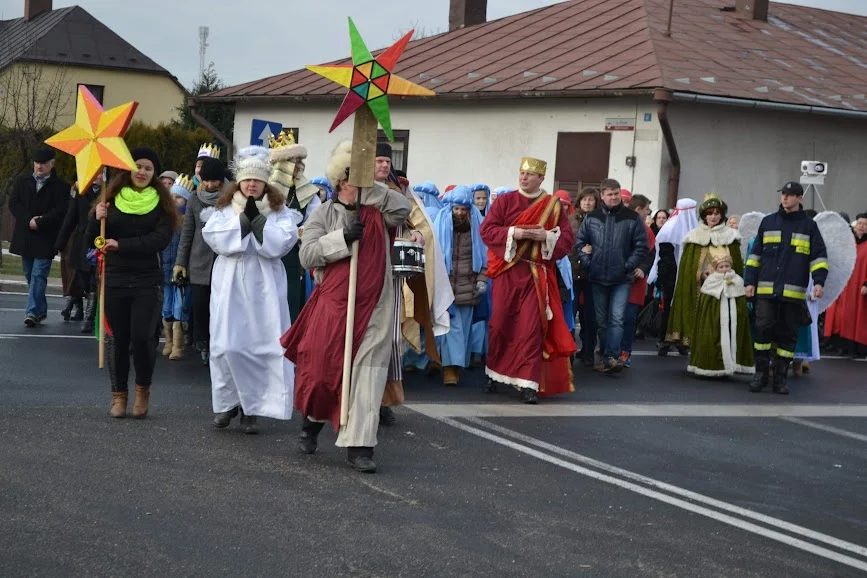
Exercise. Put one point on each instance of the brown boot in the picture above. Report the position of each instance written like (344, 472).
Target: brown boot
(178, 341)
(118, 404)
(167, 327)
(140, 407)
(451, 375)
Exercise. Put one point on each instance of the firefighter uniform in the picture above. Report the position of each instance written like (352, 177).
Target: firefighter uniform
(787, 250)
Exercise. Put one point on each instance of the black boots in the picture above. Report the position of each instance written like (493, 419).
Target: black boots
(386, 416)
(763, 368)
(781, 375)
(222, 419)
(361, 459)
(248, 424)
(529, 395)
(309, 438)
(74, 309)
(87, 326)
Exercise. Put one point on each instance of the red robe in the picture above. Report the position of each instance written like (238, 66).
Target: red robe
(847, 317)
(639, 286)
(527, 349)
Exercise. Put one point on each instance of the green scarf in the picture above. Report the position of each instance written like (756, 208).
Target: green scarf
(133, 202)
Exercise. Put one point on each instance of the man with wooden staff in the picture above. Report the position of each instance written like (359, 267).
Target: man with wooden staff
(315, 341)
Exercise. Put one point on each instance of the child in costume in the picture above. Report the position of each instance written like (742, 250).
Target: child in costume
(176, 298)
(721, 323)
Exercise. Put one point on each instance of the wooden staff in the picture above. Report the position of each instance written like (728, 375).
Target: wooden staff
(361, 174)
(101, 320)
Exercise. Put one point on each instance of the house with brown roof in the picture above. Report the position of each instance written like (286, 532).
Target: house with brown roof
(672, 98)
(48, 53)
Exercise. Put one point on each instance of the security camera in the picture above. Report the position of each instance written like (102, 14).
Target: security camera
(814, 168)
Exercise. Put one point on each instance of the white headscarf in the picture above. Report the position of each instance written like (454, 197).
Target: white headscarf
(683, 219)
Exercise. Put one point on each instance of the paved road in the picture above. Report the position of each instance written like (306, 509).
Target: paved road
(651, 473)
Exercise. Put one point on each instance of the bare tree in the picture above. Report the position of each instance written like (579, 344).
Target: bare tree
(420, 31)
(32, 99)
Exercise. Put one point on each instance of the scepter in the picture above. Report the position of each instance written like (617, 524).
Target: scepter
(370, 82)
(96, 142)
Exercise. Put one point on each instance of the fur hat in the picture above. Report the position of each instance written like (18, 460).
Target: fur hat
(338, 166)
(252, 163)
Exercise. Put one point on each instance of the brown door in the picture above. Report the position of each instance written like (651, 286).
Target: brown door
(582, 160)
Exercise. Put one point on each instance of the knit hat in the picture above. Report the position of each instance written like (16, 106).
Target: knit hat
(169, 175)
(139, 153)
(252, 163)
(212, 169)
(383, 149)
(183, 187)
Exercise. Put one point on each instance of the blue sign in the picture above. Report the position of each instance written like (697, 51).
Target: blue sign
(648, 116)
(262, 129)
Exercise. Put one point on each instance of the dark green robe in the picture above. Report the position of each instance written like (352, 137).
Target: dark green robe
(715, 321)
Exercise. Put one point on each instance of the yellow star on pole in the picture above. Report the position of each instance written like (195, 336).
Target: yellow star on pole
(96, 138)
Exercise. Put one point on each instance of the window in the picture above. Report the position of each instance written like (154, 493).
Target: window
(399, 148)
(96, 90)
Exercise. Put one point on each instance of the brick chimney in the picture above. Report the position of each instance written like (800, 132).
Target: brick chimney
(752, 9)
(33, 8)
(468, 13)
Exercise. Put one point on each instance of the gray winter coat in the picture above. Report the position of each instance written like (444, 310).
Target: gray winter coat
(193, 252)
(463, 278)
(619, 242)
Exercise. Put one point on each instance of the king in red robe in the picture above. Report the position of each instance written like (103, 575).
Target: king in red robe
(530, 345)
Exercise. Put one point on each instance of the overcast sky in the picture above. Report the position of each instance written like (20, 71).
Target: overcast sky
(252, 39)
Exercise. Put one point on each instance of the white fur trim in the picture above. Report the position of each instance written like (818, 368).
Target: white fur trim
(707, 372)
(515, 382)
(744, 370)
(511, 246)
(717, 285)
(295, 151)
(551, 238)
(720, 236)
(239, 202)
(728, 328)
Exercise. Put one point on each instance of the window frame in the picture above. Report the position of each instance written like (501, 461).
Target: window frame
(100, 97)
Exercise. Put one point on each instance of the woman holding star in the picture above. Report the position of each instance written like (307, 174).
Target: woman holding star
(140, 217)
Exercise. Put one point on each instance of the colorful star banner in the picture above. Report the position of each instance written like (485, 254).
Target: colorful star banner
(370, 80)
(96, 138)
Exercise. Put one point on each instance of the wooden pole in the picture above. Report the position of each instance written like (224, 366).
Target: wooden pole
(101, 317)
(362, 170)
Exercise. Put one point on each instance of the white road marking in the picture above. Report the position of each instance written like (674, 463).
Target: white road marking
(438, 410)
(21, 311)
(676, 355)
(45, 335)
(677, 502)
(826, 428)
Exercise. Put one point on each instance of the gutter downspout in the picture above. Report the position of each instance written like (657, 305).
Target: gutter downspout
(203, 122)
(662, 98)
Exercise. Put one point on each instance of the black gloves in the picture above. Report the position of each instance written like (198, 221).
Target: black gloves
(353, 232)
(251, 210)
(258, 226)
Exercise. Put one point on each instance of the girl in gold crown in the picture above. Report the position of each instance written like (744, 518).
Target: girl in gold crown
(713, 238)
(721, 331)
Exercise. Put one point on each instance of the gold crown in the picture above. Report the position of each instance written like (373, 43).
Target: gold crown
(532, 165)
(284, 139)
(185, 181)
(721, 259)
(209, 150)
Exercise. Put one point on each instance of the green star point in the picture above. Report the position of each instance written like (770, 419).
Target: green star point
(360, 52)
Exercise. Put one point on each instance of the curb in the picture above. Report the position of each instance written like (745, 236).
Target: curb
(21, 287)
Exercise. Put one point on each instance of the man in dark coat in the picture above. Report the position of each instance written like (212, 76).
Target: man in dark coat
(38, 203)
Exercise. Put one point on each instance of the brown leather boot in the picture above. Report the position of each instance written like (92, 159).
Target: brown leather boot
(140, 407)
(178, 341)
(451, 375)
(118, 404)
(167, 327)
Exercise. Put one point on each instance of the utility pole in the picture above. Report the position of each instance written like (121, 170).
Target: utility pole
(204, 32)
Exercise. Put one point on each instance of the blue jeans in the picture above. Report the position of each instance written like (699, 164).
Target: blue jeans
(610, 302)
(630, 323)
(36, 272)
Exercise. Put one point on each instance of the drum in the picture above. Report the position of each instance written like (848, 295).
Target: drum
(407, 259)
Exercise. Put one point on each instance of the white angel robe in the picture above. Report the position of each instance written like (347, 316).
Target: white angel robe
(249, 314)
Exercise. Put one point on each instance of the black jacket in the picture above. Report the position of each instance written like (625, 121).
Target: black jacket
(619, 242)
(75, 227)
(140, 240)
(787, 250)
(48, 205)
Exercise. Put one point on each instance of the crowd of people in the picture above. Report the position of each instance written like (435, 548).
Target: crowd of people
(251, 264)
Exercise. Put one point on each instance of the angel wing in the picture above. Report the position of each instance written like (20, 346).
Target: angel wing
(749, 228)
(840, 244)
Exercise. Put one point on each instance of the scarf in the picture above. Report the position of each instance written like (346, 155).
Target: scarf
(133, 202)
(209, 198)
(239, 202)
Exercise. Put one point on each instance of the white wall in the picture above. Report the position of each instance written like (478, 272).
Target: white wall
(746, 155)
(483, 141)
